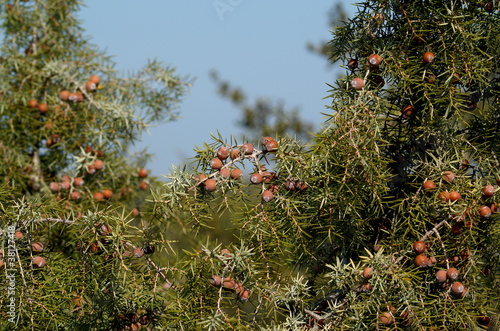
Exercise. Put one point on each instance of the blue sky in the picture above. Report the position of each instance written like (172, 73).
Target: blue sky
(258, 45)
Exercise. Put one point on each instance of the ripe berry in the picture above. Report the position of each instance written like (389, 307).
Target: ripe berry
(104, 229)
(90, 86)
(247, 148)
(75, 195)
(242, 293)
(455, 196)
(464, 293)
(267, 140)
(136, 212)
(54, 187)
(200, 177)
(366, 287)
(64, 95)
(408, 110)
(385, 318)
(18, 235)
(65, 184)
(98, 196)
(78, 181)
(37, 247)
(43, 108)
(79, 96)
(448, 176)
(430, 78)
(134, 326)
(107, 193)
(290, 185)
(498, 181)
(419, 247)
(95, 79)
(429, 185)
(267, 195)
(38, 262)
(138, 252)
(215, 163)
(444, 196)
(210, 185)
(142, 173)
(484, 211)
(457, 288)
(143, 185)
(352, 64)
(98, 164)
(32, 103)
(357, 83)
(229, 283)
(256, 178)
(90, 169)
(421, 260)
(428, 57)
(375, 59)
(216, 280)
(235, 153)
(271, 146)
(368, 273)
(452, 273)
(431, 261)
(302, 186)
(268, 176)
(236, 173)
(223, 153)
(225, 173)
(488, 191)
(73, 97)
(441, 276)
(225, 252)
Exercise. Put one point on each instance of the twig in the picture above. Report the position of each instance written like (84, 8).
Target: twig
(162, 274)
(428, 233)
(55, 220)
(215, 173)
(317, 317)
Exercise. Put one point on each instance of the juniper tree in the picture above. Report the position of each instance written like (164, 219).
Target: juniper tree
(387, 220)
(71, 190)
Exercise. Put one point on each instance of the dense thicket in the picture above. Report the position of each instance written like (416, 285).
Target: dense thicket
(388, 219)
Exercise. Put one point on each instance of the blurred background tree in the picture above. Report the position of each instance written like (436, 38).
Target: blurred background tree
(266, 117)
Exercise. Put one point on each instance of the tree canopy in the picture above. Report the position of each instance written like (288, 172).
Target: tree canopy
(387, 219)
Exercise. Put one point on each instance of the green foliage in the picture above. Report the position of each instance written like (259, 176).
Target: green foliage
(89, 277)
(358, 199)
(311, 236)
